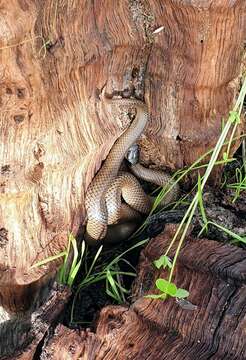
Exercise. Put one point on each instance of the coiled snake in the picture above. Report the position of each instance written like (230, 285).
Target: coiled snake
(103, 199)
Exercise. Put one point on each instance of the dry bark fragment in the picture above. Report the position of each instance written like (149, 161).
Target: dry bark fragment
(21, 337)
(215, 275)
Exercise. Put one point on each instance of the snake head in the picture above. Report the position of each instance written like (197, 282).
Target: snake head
(132, 154)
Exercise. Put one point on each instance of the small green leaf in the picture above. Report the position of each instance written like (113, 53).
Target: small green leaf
(171, 289)
(164, 261)
(161, 284)
(160, 262)
(182, 293)
(166, 287)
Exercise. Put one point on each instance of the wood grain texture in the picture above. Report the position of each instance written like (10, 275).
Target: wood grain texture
(214, 274)
(191, 80)
(55, 57)
(21, 336)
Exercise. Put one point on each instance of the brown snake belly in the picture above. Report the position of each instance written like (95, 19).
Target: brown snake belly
(103, 197)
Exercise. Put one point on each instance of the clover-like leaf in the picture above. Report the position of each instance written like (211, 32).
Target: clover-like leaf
(166, 287)
(164, 261)
(181, 293)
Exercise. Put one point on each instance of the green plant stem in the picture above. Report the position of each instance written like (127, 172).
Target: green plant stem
(220, 143)
(180, 174)
(244, 155)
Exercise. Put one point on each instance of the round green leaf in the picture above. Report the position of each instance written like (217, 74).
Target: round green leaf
(182, 293)
(166, 287)
(171, 289)
(161, 284)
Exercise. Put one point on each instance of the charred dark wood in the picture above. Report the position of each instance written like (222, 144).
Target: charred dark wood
(22, 336)
(214, 274)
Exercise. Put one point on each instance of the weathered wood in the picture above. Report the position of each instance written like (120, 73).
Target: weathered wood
(54, 133)
(66, 344)
(190, 77)
(214, 274)
(21, 336)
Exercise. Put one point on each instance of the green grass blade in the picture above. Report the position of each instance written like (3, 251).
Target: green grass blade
(49, 259)
(200, 201)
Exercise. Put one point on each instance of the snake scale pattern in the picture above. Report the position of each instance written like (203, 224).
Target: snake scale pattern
(103, 200)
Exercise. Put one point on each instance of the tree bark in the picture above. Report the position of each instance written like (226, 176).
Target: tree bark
(211, 326)
(22, 337)
(56, 56)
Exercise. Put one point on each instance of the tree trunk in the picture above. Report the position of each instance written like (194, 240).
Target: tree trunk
(183, 57)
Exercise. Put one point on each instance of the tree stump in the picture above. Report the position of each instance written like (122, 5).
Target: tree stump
(213, 328)
(183, 57)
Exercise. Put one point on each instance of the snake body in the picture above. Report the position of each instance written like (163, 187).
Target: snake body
(95, 201)
(126, 186)
(103, 198)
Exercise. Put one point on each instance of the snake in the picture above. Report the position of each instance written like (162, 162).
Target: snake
(103, 200)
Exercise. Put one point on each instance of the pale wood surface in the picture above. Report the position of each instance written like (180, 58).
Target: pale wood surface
(54, 132)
